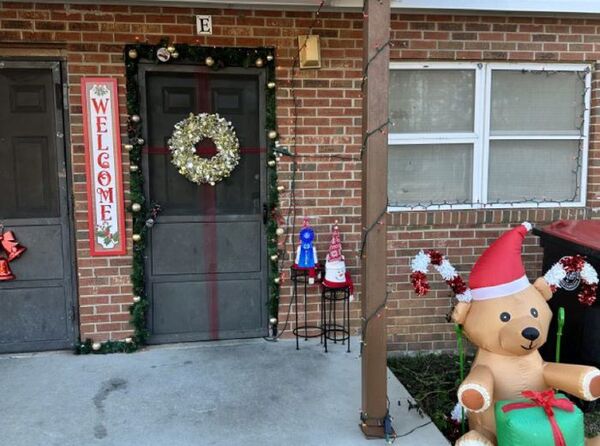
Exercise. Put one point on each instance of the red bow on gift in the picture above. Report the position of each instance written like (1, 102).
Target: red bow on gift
(547, 401)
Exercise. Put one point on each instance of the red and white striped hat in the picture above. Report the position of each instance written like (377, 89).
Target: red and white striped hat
(499, 271)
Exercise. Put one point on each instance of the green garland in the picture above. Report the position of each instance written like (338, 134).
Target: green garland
(218, 58)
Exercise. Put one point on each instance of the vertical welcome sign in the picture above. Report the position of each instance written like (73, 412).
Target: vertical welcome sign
(106, 209)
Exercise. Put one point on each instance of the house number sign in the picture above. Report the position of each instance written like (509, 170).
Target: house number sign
(106, 211)
(204, 24)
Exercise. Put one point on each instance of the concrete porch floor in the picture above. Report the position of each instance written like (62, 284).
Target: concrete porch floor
(219, 393)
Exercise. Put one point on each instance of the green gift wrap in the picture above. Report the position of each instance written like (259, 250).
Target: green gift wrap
(540, 419)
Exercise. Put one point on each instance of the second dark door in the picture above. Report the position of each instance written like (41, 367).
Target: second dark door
(38, 306)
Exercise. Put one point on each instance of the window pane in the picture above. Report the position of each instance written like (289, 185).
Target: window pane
(430, 173)
(524, 170)
(432, 100)
(536, 102)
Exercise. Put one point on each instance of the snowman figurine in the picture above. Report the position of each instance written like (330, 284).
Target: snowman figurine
(336, 275)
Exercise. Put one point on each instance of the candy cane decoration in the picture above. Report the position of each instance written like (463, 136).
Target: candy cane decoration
(575, 264)
(418, 277)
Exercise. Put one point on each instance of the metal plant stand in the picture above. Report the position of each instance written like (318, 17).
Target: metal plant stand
(336, 326)
(300, 277)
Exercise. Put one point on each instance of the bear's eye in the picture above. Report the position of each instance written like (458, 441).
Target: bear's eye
(534, 312)
(505, 317)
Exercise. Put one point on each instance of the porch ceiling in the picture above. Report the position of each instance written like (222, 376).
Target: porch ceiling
(519, 7)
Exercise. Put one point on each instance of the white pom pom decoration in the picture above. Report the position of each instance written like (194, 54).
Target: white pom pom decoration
(420, 262)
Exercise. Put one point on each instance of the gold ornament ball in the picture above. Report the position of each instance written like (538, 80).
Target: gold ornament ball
(128, 147)
(269, 57)
(273, 321)
(259, 62)
(272, 134)
(174, 54)
(274, 257)
(136, 299)
(276, 280)
(271, 163)
(135, 118)
(136, 207)
(271, 85)
(171, 49)
(133, 168)
(280, 188)
(136, 237)
(96, 346)
(279, 231)
(209, 61)
(132, 53)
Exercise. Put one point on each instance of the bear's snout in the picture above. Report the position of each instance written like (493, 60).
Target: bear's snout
(530, 333)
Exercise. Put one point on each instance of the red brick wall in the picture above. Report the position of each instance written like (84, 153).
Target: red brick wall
(329, 106)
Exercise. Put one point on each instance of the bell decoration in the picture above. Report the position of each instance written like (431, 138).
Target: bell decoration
(132, 53)
(269, 57)
(272, 134)
(5, 272)
(209, 61)
(271, 85)
(10, 244)
(259, 62)
(271, 163)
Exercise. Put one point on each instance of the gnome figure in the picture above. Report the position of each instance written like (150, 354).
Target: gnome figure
(306, 254)
(335, 265)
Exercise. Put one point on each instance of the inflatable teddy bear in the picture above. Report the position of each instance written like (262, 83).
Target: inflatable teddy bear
(508, 318)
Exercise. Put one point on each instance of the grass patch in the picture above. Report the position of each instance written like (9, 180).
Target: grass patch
(592, 423)
(433, 379)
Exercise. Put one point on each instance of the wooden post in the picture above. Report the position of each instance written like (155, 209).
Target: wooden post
(376, 34)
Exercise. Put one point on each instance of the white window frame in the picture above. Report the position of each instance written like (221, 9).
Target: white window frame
(480, 137)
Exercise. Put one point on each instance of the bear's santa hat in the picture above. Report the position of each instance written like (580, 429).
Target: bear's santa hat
(499, 271)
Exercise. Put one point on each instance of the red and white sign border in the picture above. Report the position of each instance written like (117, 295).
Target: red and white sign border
(96, 249)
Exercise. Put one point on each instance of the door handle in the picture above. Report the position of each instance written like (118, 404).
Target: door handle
(265, 212)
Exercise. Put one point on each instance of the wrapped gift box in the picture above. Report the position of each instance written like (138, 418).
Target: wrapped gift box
(531, 426)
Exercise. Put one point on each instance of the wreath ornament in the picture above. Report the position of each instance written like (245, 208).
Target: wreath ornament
(193, 129)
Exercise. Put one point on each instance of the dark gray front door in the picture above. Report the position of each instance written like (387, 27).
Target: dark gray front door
(206, 268)
(36, 309)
